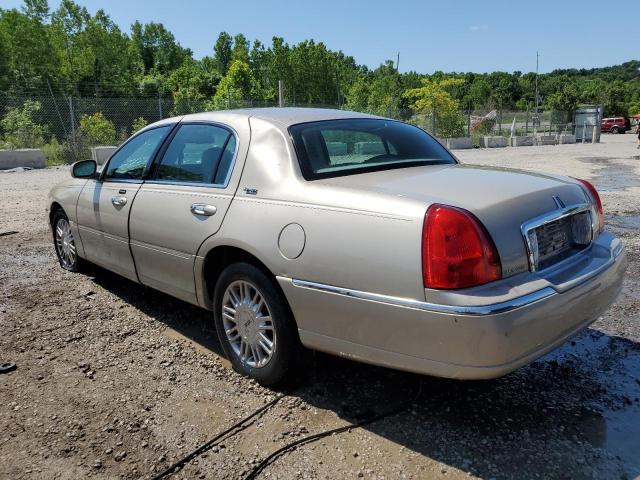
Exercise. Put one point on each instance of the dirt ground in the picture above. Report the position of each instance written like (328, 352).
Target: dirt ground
(118, 381)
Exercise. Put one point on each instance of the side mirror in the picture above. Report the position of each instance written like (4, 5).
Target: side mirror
(84, 169)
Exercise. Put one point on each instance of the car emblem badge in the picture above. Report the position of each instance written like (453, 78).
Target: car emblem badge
(559, 202)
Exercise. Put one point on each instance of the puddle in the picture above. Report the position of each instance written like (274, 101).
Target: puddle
(628, 222)
(614, 425)
(613, 176)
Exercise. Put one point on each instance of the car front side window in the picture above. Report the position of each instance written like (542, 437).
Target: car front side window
(198, 153)
(130, 162)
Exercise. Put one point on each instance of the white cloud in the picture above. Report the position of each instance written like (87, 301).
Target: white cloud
(477, 28)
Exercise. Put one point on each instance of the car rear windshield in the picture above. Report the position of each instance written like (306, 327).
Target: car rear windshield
(335, 148)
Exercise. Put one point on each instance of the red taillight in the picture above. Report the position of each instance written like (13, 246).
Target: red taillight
(457, 251)
(595, 200)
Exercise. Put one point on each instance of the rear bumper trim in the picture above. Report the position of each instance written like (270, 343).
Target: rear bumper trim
(471, 310)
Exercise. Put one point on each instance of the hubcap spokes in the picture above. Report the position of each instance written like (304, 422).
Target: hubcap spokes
(247, 323)
(65, 244)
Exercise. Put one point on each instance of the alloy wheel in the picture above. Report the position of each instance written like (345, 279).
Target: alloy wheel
(248, 324)
(65, 243)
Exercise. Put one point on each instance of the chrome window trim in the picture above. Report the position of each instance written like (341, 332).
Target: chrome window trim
(552, 216)
(187, 184)
(120, 180)
(232, 166)
(470, 310)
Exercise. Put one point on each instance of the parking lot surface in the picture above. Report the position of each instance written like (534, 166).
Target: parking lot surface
(115, 380)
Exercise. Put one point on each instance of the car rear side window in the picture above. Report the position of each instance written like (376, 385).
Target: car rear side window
(346, 147)
(130, 162)
(198, 153)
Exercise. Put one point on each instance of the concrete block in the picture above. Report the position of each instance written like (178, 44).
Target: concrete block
(337, 148)
(566, 139)
(547, 140)
(102, 154)
(522, 141)
(459, 143)
(493, 142)
(24, 157)
(370, 148)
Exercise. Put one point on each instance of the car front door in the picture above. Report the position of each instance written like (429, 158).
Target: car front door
(104, 204)
(182, 203)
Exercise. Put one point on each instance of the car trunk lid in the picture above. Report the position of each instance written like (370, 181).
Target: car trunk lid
(502, 199)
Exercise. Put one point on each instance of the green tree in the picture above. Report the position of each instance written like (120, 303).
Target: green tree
(562, 102)
(240, 49)
(358, 95)
(433, 98)
(480, 93)
(222, 52)
(97, 130)
(235, 88)
(138, 124)
(21, 130)
(615, 99)
(157, 48)
(29, 56)
(37, 10)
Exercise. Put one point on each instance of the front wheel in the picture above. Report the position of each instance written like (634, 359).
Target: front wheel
(615, 130)
(254, 325)
(65, 244)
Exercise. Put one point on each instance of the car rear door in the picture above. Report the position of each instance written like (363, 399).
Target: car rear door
(104, 205)
(182, 203)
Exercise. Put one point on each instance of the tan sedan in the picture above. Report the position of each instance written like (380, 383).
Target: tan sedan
(347, 233)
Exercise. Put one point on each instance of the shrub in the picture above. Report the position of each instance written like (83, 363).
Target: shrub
(138, 124)
(20, 128)
(54, 152)
(484, 126)
(97, 130)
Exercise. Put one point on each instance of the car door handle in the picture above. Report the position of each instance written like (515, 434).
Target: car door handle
(119, 201)
(203, 209)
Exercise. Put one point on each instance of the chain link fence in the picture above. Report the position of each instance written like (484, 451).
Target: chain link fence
(67, 127)
(491, 122)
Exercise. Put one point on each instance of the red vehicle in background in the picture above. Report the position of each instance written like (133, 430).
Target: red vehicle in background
(616, 125)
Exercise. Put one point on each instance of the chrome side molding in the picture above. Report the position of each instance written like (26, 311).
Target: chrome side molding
(471, 310)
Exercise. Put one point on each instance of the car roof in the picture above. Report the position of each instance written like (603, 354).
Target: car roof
(285, 116)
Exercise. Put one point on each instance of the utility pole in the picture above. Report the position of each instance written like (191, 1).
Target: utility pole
(398, 63)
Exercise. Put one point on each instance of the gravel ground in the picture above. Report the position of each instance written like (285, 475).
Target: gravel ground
(117, 381)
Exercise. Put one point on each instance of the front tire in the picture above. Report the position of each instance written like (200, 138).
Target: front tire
(254, 324)
(65, 244)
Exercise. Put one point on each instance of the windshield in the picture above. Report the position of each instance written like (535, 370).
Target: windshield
(345, 147)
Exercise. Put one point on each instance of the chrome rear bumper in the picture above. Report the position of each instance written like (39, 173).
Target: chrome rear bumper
(478, 333)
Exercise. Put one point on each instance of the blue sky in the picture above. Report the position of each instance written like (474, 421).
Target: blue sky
(461, 35)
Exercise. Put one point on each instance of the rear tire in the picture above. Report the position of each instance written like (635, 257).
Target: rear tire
(254, 324)
(615, 130)
(65, 245)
